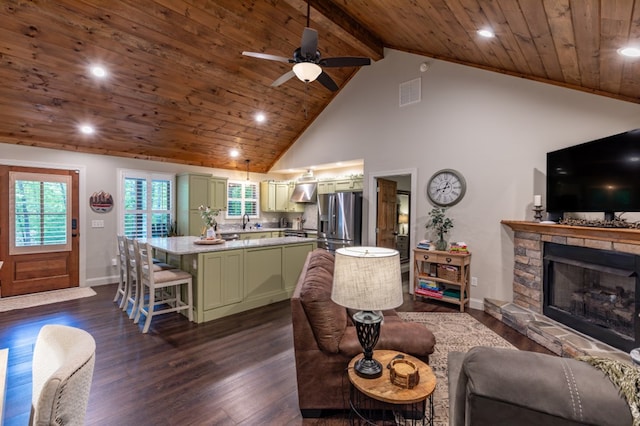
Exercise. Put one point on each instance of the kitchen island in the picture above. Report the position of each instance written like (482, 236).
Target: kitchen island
(238, 275)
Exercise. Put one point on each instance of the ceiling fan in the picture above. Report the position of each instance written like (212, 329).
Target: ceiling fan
(308, 62)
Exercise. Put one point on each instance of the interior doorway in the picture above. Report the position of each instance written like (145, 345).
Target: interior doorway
(406, 186)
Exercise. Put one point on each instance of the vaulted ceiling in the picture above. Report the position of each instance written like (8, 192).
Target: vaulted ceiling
(178, 88)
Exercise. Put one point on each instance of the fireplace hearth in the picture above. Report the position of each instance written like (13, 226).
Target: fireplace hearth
(594, 292)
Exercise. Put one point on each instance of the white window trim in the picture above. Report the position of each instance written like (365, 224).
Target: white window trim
(141, 174)
(243, 183)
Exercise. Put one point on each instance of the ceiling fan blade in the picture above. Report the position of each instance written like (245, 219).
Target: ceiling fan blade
(267, 56)
(345, 61)
(327, 81)
(283, 78)
(309, 45)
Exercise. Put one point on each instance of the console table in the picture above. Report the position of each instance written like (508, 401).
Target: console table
(381, 399)
(430, 266)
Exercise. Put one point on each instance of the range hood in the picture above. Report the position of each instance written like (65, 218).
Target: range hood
(304, 192)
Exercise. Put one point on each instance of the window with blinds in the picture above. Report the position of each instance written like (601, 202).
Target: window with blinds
(147, 204)
(242, 197)
(40, 206)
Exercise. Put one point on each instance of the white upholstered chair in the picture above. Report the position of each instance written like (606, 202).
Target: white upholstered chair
(63, 361)
(123, 272)
(168, 283)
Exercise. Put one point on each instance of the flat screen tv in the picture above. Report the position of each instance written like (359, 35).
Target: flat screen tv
(598, 176)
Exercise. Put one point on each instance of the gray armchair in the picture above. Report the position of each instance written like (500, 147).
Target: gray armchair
(494, 386)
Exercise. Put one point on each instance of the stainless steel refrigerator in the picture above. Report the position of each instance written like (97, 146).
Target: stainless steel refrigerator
(339, 220)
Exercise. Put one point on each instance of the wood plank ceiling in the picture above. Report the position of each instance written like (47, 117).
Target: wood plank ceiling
(179, 90)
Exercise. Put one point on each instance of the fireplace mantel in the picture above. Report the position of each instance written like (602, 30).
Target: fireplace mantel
(614, 235)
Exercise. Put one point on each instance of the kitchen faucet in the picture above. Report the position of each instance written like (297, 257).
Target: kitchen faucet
(244, 224)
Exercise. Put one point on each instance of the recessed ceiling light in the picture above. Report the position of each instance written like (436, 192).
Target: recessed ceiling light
(234, 153)
(98, 71)
(260, 117)
(87, 129)
(631, 52)
(486, 33)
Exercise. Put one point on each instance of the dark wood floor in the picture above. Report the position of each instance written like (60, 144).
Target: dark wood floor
(236, 370)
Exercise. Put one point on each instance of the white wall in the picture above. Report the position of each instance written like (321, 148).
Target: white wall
(493, 128)
(100, 173)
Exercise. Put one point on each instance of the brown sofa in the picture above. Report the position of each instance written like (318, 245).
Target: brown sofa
(325, 339)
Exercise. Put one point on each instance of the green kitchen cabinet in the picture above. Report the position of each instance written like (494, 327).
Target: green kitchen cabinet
(220, 279)
(268, 196)
(228, 281)
(192, 191)
(292, 263)
(255, 235)
(352, 184)
(218, 193)
(276, 197)
(263, 273)
(326, 187)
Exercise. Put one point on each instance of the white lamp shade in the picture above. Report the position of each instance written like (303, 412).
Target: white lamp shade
(367, 278)
(307, 71)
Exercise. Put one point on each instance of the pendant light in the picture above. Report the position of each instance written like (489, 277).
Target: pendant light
(247, 162)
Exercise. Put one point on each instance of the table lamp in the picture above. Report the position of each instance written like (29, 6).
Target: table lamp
(367, 279)
(403, 219)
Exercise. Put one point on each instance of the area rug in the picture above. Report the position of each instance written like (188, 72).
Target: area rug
(454, 332)
(44, 298)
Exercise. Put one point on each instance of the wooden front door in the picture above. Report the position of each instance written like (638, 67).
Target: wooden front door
(39, 230)
(387, 216)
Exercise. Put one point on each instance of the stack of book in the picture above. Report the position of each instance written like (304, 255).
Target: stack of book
(424, 244)
(429, 288)
(458, 248)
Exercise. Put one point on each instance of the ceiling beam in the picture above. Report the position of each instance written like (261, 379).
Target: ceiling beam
(347, 23)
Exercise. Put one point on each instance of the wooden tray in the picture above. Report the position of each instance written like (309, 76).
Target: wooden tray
(209, 242)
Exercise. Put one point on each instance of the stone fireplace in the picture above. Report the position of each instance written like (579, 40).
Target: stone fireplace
(602, 298)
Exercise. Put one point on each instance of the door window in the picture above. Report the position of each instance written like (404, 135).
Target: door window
(40, 206)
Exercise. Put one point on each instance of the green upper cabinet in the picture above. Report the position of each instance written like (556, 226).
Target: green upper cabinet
(326, 187)
(282, 194)
(276, 196)
(192, 191)
(345, 185)
(268, 196)
(218, 193)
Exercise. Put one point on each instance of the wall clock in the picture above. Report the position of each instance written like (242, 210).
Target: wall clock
(446, 187)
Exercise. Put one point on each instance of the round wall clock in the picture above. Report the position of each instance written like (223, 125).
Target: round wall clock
(446, 187)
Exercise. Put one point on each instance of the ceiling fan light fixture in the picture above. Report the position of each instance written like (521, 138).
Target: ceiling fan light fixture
(307, 71)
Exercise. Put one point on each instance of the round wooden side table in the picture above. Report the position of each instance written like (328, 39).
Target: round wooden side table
(379, 401)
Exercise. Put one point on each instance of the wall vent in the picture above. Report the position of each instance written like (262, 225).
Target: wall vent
(410, 92)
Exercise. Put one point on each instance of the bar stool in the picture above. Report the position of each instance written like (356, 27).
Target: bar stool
(122, 272)
(134, 291)
(162, 280)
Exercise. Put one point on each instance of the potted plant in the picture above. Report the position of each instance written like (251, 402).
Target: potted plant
(208, 216)
(441, 224)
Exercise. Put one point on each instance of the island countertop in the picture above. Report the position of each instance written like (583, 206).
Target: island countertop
(186, 245)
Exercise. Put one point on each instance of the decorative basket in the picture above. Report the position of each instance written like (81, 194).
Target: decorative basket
(448, 272)
(404, 373)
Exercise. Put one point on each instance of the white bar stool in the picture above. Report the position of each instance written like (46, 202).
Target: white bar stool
(160, 280)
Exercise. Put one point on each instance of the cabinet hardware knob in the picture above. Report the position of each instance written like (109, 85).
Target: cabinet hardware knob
(426, 257)
(448, 260)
